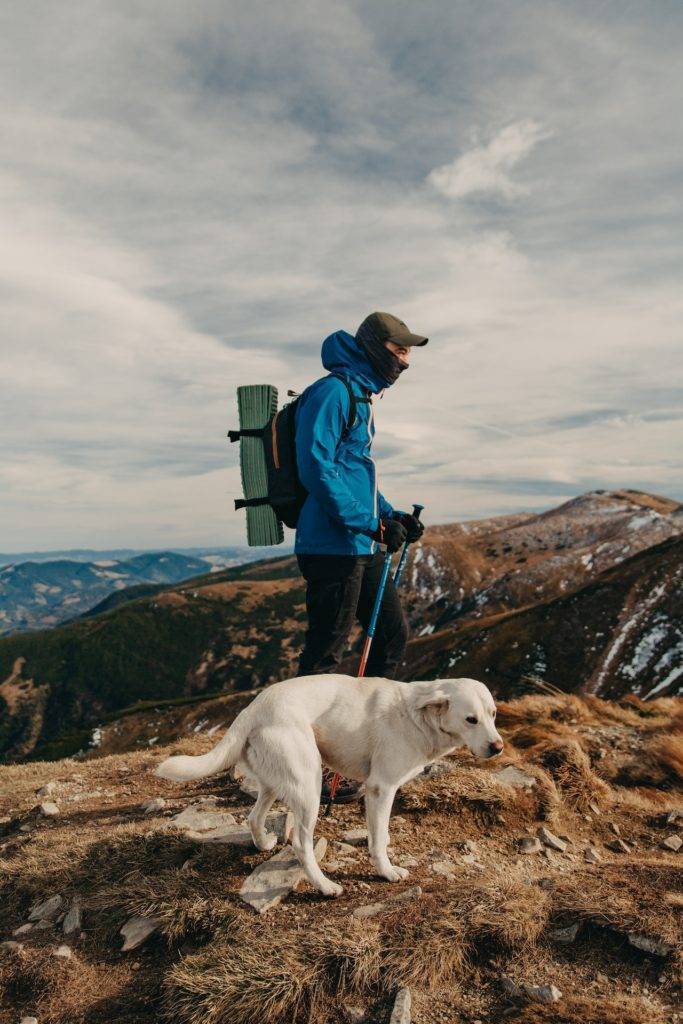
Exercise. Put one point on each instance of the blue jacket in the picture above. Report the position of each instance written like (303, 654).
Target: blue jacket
(344, 504)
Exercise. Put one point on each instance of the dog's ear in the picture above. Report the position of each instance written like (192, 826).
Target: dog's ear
(437, 702)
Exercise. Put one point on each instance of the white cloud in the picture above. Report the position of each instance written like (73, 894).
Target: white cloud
(484, 169)
(190, 202)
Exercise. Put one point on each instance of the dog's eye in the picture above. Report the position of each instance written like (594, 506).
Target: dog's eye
(472, 719)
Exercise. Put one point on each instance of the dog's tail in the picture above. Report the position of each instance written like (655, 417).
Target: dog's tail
(183, 768)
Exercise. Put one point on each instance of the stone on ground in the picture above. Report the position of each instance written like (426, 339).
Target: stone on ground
(63, 952)
(46, 790)
(137, 930)
(401, 1011)
(49, 809)
(72, 921)
(152, 806)
(513, 776)
(550, 839)
(197, 819)
(46, 910)
(648, 945)
(356, 836)
(673, 843)
(530, 845)
(372, 909)
(281, 823)
(276, 877)
(592, 856)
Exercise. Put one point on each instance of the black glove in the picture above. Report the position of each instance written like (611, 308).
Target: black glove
(392, 533)
(414, 527)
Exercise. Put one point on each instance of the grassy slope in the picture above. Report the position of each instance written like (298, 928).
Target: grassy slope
(598, 767)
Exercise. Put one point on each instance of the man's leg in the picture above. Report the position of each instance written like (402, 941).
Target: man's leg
(332, 590)
(391, 634)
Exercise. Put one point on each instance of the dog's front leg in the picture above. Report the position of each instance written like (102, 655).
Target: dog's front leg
(378, 802)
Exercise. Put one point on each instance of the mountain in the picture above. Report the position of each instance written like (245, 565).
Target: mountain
(221, 556)
(39, 594)
(586, 596)
(42, 593)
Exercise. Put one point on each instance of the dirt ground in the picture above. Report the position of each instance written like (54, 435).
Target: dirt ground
(490, 923)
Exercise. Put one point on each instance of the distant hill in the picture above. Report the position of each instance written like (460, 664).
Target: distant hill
(39, 593)
(586, 596)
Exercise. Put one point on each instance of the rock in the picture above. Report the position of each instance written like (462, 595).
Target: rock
(398, 820)
(46, 910)
(649, 945)
(566, 934)
(540, 993)
(619, 846)
(443, 867)
(591, 855)
(469, 846)
(513, 776)
(530, 845)
(72, 919)
(137, 930)
(44, 925)
(152, 806)
(594, 807)
(673, 816)
(280, 823)
(673, 843)
(46, 790)
(613, 827)
(356, 837)
(370, 910)
(401, 1011)
(198, 820)
(63, 952)
(12, 947)
(345, 848)
(406, 861)
(23, 929)
(373, 909)
(275, 878)
(48, 809)
(354, 1014)
(543, 993)
(550, 839)
(28, 1020)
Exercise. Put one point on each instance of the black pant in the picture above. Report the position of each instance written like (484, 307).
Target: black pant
(340, 588)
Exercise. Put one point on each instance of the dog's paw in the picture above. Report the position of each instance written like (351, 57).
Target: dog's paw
(394, 874)
(267, 842)
(331, 888)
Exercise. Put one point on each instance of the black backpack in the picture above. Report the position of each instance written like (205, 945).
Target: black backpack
(286, 493)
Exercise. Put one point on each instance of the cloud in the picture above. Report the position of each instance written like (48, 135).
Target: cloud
(193, 202)
(484, 169)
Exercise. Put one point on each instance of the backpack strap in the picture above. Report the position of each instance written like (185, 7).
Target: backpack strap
(250, 502)
(235, 435)
(354, 400)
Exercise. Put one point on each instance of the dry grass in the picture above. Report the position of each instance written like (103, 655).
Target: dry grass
(243, 979)
(425, 949)
(213, 961)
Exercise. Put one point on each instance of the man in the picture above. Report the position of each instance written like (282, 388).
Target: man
(345, 517)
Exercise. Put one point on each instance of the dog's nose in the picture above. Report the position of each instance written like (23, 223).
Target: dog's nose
(495, 747)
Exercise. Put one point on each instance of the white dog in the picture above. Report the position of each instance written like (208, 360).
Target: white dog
(374, 730)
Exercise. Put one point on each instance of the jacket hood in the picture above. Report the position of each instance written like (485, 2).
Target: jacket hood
(341, 351)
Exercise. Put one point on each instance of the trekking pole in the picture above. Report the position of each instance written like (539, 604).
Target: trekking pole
(371, 629)
(404, 554)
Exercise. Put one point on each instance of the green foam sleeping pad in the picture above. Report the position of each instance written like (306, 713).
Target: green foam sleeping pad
(256, 404)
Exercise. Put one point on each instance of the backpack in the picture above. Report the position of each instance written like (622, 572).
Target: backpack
(286, 494)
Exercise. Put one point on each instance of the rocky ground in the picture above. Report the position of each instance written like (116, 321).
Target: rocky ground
(543, 887)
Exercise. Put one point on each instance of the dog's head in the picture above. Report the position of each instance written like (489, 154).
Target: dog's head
(465, 710)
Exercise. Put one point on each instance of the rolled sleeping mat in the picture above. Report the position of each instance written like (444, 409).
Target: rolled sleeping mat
(257, 404)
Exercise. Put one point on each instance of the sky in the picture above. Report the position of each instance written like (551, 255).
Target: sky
(193, 196)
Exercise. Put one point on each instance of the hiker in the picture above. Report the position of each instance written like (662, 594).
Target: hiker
(345, 517)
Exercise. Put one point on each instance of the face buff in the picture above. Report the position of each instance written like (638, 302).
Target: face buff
(385, 362)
